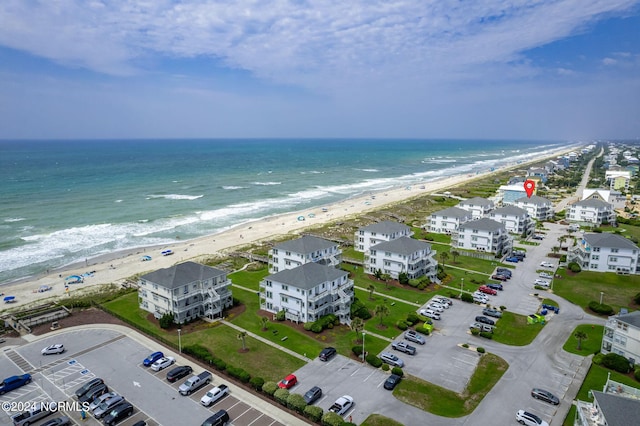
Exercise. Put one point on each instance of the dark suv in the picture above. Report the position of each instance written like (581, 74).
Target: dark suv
(179, 372)
(87, 386)
(118, 413)
(485, 320)
(327, 354)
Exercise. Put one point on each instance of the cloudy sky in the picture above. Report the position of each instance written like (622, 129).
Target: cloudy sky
(525, 69)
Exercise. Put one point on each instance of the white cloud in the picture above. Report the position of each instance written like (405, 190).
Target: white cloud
(609, 61)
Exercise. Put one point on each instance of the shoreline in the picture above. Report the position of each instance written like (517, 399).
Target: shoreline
(116, 267)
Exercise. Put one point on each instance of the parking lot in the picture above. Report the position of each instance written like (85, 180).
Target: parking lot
(117, 360)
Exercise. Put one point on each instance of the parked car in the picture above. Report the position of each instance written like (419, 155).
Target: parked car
(487, 290)
(37, 412)
(541, 282)
(391, 359)
(58, 421)
(327, 354)
(443, 300)
(482, 327)
(87, 386)
(499, 277)
(212, 396)
(162, 363)
(545, 396)
(392, 382)
(519, 253)
(436, 301)
(14, 382)
(148, 361)
(513, 259)
(496, 286)
(504, 271)
(178, 373)
(429, 313)
(404, 347)
(288, 382)
(547, 265)
(529, 419)
(220, 418)
(414, 336)
(546, 275)
(436, 307)
(194, 383)
(118, 413)
(342, 405)
(99, 400)
(492, 313)
(93, 393)
(105, 407)
(480, 298)
(537, 237)
(58, 348)
(485, 320)
(312, 395)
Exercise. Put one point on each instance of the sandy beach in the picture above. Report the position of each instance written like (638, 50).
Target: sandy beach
(118, 266)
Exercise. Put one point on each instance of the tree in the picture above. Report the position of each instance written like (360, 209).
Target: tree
(381, 311)
(386, 278)
(243, 336)
(264, 321)
(371, 289)
(580, 335)
(444, 256)
(455, 254)
(357, 324)
(166, 320)
(562, 239)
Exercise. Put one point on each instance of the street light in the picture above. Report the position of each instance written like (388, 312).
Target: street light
(179, 341)
(461, 285)
(601, 294)
(363, 353)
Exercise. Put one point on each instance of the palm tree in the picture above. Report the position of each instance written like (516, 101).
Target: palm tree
(371, 289)
(264, 321)
(561, 240)
(444, 256)
(455, 254)
(580, 335)
(357, 324)
(381, 311)
(243, 336)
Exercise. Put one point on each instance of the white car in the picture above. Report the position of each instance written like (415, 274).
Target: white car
(480, 297)
(542, 283)
(438, 301)
(443, 301)
(547, 265)
(546, 275)
(429, 314)
(528, 419)
(436, 307)
(214, 395)
(342, 405)
(163, 363)
(53, 349)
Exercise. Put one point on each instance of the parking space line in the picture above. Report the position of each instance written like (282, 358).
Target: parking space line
(372, 373)
(245, 412)
(256, 419)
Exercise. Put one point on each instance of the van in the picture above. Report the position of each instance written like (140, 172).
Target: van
(218, 419)
(391, 359)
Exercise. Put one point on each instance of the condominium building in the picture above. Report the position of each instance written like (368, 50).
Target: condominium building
(483, 235)
(538, 208)
(403, 255)
(592, 211)
(605, 252)
(515, 219)
(622, 336)
(478, 206)
(370, 235)
(306, 249)
(447, 221)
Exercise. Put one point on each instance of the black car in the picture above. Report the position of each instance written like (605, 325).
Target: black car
(495, 286)
(118, 413)
(392, 382)
(220, 418)
(179, 372)
(313, 395)
(93, 393)
(327, 354)
(87, 386)
(485, 320)
(504, 271)
(545, 396)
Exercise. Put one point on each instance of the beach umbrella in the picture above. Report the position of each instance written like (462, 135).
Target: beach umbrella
(8, 299)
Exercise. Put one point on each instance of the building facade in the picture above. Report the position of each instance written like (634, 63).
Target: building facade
(306, 249)
(485, 235)
(403, 255)
(605, 252)
(447, 221)
(538, 208)
(508, 194)
(592, 211)
(188, 290)
(515, 219)
(622, 336)
(308, 292)
(376, 233)
(478, 206)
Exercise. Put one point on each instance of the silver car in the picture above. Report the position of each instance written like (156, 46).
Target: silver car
(104, 408)
(99, 400)
(391, 359)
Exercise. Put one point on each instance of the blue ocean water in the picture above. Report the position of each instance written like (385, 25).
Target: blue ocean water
(65, 201)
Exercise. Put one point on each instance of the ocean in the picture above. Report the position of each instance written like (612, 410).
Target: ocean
(66, 201)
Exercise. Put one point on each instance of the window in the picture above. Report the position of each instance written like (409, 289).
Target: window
(596, 249)
(285, 287)
(614, 250)
(288, 253)
(195, 286)
(595, 257)
(186, 289)
(269, 295)
(269, 284)
(475, 231)
(613, 259)
(593, 266)
(284, 299)
(474, 238)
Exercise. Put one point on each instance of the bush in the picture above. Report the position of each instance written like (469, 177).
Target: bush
(197, 351)
(239, 374)
(465, 345)
(331, 419)
(574, 267)
(636, 374)
(402, 325)
(422, 286)
(597, 359)
(601, 309)
(466, 297)
(636, 299)
(398, 371)
(256, 383)
(281, 395)
(296, 402)
(422, 330)
(357, 350)
(486, 335)
(414, 283)
(480, 350)
(313, 413)
(403, 278)
(280, 316)
(563, 258)
(218, 364)
(358, 309)
(616, 362)
(475, 331)
(166, 320)
(385, 367)
(307, 326)
(316, 328)
(269, 388)
(373, 360)
(413, 318)
(503, 308)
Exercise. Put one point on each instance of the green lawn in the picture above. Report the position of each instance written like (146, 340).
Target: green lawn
(361, 279)
(398, 311)
(512, 329)
(379, 420)
(351, 253)
(590, 345)
(249, 278)
(446, 403)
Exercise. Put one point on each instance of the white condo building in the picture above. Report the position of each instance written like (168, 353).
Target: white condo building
(515, 219)
(605, 252)
(622, 336)
(538, 208)
(370, 235)
(483, 235)
(592, 211)
(413, 257)
(306, 249)
(447, 221)
(478, 206)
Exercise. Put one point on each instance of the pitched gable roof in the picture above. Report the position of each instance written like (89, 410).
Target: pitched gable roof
(182, 274)
(593, 202)
(402, 245)
(477, 201)
(618, 410)
(483, 224)
(509, 211)
(535, 200)
(609, 240)
(305, 244)
(632, 318)
(386, 227)
(307, 276)
(456, 212)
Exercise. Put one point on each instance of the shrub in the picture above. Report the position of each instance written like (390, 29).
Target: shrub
(422, 286)
(296, 402)
(166, 320)
(465, 345)
(574, 267)
(398, 371)
(357, 350)
(475, 331)
(414, 283)
(197, 351)
(218, 364)
(385, 367)
(402, 325)
(480, 350)
(373, 360)
(466, 297)
(403, 278)
(423, 330)
(616, 362)
(269, 388)
(256, 383)
(563, 258)
(413, 318)
(307, 326)
(503, 308)
(313, 413)
(486, 335)
(331, 419)
(281, 395)
(358, 309)
(597, 358)
(600, 308)
(316, 328)
(636, 299)
(280, 316)
(239, 374)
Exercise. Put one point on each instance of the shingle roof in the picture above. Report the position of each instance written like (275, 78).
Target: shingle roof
(402, 245)
(476, 201)
(483, 224)
(305, 244)
(510, 211)
(618, 410)
(456, 212)
(592, 202)
(385, 227)
(181, 274)
(535, 199)
(609, 240)
(632, 318)
(307, 276)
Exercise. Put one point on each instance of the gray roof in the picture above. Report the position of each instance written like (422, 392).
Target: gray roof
(402, 245)
(477, 201)
(305, 244)
(483, 224)
(535, 199)
(453, 212)
(182, 274)
(618, 410)
(609, 240)
(385, 227)
(510, 210)
(592, 202)
(307, 276)
(632, 318)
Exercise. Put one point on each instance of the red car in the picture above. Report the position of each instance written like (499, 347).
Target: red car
(288, 382)
(499, 277)
(487, 290)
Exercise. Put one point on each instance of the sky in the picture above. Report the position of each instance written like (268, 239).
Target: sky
(504, 69)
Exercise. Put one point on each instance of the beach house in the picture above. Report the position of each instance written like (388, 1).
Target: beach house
(478, 206)
(605, 252)
(485, 235)
(622, 336)
(540, 173)
(613, 407)
(538, 208)
(447, 221)
(306, 249)
(515, 220)
(308, 292)
(187, 290)
(403, 255)
(592, 211)
(618, 179)
(370, 235)
(508, 194)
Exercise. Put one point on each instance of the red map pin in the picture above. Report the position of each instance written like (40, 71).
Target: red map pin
(529, 186)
